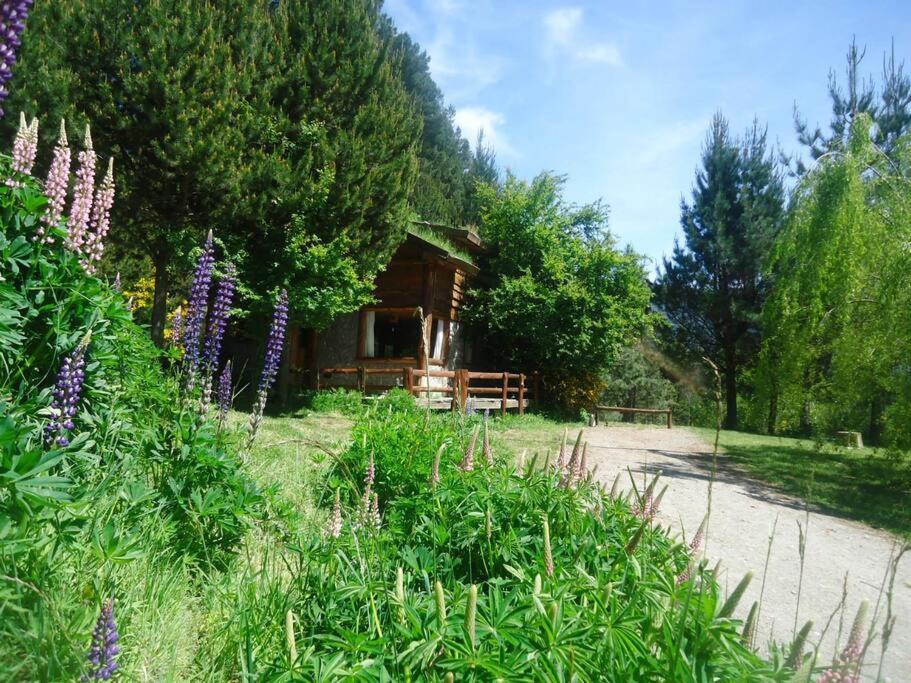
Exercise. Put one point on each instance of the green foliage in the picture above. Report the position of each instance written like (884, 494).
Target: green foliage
(455, 581)
(836, 356)
(712, 289)
(144, 478)
(563, 300)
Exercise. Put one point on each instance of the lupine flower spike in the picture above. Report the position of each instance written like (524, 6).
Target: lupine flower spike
(471, 613)
(83, 193)
(100, 221)
(694, 548)
(375, 518)
(548, 553)
(177, 328)
(55, 187)
(196, 310)
(467, 464)
(488, 452)
(67, 393)
(846, 668)
(103, 653)
(274, 347)
(117, 286)
(221, 311)
(370, 474)
(561, 458)
(569, 472)
(435, 470)
(334, 525)
(225, 395)
(13, 14)
(25, 147)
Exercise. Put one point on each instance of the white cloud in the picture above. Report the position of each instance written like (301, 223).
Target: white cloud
(473, 120)
(564, 34)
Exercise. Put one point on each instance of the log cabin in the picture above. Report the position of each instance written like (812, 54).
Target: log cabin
(423, 284)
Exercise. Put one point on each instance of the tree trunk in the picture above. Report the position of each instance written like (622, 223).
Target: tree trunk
(730, 394)
(160, 298)
(772, 425)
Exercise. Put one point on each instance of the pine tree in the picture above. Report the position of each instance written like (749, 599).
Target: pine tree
(711, 289)
(890, 111)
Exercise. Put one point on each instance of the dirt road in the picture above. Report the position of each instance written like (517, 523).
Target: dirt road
(744, 513)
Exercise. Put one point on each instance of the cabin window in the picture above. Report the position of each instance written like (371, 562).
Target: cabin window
(390, 334)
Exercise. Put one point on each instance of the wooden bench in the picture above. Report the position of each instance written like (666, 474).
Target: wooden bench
(645, 411)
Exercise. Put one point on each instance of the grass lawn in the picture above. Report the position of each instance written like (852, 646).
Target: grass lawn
(864, 484)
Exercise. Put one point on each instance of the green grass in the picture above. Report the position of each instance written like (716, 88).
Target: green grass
(864, 484)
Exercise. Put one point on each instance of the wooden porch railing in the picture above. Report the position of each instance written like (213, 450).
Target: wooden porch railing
(511, 389)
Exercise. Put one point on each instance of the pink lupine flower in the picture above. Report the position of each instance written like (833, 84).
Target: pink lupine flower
(25, 147)
(55, 187)
(370, 475)
(81, 208)
(100, 221)
(374, 517)
(334, 524)
(467, 464)
(846, 667)
(561, 457)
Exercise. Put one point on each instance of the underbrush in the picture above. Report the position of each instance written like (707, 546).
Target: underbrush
(133, 502)
(443, 561)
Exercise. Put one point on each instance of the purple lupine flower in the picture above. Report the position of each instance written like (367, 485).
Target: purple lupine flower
(196, 308)
(67, 392)
(274, 347)
(177, 328)
(100, 221)
(218, 320)
(225, 394)
(12, 24)
(469, 406)
(693, 551)
(25, 148)
(83, 191)
(276, 342)
(103, 653)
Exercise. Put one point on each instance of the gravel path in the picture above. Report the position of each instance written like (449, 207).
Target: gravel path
(744, 513)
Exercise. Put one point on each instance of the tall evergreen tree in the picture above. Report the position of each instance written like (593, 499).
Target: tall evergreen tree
(889, 109)
(711, 289)
(161, 88)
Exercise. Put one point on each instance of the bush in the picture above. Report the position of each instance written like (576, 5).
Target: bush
(457, 578)
(143, 477)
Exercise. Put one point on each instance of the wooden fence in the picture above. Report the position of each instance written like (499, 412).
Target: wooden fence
(644, 411)
(503, 390)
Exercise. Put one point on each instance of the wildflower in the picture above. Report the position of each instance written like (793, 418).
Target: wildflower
(274, 347)
(561, 458)
(221, 311)
(548, 553)
(469, 406)
(795, 654)
(102, 655)
(435, 470)
(117, 286)
(67, 392)
(569, 472)
(12, 23)
(488, 453)
(471, 613)
(375, 518)
(224, 394)
(83, 191)
(334, 525)
(177, 328)
(55, 187)
(488, 523)
(846, 667)
(100, 221)
(749, 627)
(25, 147)
(370, 475)
(196, 309)
(467, 464)
(582, 465)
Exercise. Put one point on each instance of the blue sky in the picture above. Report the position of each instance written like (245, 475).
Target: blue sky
(618, 96)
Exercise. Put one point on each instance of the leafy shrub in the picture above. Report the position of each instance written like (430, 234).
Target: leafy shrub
(456, 579)
(344, 401)
(143, 476)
